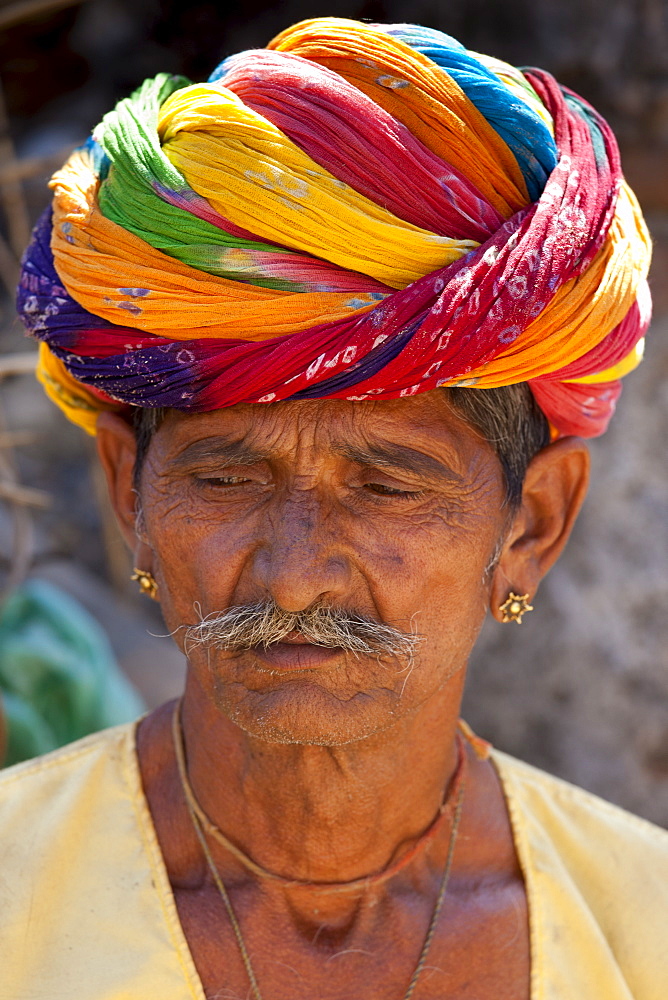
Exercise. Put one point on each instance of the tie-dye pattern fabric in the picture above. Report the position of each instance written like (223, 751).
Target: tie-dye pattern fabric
(357, 211)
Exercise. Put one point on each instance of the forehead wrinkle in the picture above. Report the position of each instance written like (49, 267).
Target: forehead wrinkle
(395, 456)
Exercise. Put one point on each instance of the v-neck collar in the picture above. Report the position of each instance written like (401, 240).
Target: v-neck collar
(167, 899)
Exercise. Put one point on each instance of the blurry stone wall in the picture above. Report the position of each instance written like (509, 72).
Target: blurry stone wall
(582, 687)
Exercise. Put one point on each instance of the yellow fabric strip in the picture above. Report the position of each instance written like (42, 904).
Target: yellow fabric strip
(78, 405)
(252, 174)
(100, 264)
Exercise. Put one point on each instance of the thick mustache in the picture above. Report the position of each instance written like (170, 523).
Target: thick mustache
(265, 623)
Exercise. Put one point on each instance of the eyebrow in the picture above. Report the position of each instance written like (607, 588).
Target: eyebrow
(220, 450)
(387, 455)
(396, 456)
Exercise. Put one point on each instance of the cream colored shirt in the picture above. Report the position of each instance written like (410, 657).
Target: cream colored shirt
(87, 912)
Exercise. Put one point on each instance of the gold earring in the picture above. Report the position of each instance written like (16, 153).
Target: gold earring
(147, 582)
(514, 607)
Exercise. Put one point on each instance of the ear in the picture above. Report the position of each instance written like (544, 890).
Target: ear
(554, 489)
(116, 448)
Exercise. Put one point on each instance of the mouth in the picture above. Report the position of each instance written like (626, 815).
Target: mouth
(294, 652)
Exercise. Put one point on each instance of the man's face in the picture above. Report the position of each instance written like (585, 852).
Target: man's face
(391, 510)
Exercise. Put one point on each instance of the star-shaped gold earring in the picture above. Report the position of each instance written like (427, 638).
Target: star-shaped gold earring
(147, 582)
(514, 607)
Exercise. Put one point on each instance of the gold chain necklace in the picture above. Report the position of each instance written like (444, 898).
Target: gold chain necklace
(191, 803)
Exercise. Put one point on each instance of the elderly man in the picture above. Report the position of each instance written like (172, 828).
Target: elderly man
(429, 267)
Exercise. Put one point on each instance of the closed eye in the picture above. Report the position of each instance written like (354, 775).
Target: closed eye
(391, 491)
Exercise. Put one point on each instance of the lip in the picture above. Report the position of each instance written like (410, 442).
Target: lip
(292, 655)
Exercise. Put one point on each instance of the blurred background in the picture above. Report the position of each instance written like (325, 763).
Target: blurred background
(582, 688)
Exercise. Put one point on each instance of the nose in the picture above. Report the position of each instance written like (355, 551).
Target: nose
(302, 559)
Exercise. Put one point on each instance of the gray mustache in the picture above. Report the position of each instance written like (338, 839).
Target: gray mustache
(265, 623)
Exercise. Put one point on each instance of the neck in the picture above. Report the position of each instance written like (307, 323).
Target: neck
(318, 813)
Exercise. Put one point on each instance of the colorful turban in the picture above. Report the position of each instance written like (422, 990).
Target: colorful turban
(356, 212)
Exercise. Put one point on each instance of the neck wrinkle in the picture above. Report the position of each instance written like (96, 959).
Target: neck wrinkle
(320, 814)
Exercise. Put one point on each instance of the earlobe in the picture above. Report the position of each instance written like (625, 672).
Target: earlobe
(116, 448)
(554, 489)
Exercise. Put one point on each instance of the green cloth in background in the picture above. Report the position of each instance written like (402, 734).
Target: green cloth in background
(59, 679)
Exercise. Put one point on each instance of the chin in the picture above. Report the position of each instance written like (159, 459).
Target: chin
(304, 713)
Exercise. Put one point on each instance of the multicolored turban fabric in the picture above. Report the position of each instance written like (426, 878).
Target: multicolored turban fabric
(356, 212)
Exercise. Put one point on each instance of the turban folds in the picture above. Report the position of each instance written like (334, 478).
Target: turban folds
(356, 212)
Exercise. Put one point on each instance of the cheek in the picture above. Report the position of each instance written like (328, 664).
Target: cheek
(431, 549)
(431, 578)
(199, 557)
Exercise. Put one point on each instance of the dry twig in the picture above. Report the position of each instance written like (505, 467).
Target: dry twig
(23, 495)
(21, 363)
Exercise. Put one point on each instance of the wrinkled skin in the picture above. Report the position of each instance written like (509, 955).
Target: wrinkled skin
(321, 765)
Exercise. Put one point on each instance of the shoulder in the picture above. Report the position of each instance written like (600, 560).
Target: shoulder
(66, 819)
(570, 813)
(107, 743)
(57, 785)
(86, 908)
(597, 885)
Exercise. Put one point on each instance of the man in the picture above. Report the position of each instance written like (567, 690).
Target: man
(325, 514)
